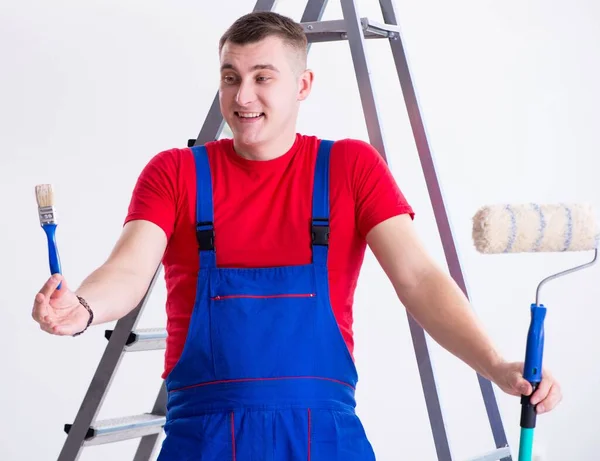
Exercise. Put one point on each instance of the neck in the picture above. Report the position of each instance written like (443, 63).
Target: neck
(268, 150)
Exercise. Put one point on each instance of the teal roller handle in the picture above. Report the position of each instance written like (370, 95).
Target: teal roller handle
(526, 444)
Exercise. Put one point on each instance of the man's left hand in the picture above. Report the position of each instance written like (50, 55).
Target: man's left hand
(508, 376)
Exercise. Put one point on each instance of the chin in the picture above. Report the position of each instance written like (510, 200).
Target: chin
(247, 138)
(248, 141)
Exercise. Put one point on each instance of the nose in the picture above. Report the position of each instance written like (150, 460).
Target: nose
(246, 93)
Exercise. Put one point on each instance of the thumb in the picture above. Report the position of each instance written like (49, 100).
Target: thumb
(63, 287)
(521, 385)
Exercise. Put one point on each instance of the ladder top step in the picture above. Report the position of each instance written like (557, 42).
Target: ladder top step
(329, 31)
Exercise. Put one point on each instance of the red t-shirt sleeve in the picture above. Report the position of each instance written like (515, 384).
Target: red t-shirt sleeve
(154, 196)
(377, 196)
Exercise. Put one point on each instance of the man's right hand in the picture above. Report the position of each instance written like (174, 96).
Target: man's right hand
(59, 312)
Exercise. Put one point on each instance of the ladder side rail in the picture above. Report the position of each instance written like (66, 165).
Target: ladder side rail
(357, 45)
(437, 200)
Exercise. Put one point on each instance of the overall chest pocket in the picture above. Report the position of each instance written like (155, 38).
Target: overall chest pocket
(263, 335)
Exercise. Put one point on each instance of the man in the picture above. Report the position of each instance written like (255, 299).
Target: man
(262, 238)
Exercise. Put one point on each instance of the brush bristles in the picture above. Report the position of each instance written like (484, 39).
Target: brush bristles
(45, 200)
(44, 195)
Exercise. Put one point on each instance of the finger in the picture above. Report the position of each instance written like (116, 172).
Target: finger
(63, 288)
(47, 327)
(39, 307)
(552, 399)
(542, 391)
(41, 312)
(67, 329)
(45, 316)
(50, 285)
(55, 328)
(520, 384)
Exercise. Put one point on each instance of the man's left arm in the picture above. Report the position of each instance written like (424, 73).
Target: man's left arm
(436, 302)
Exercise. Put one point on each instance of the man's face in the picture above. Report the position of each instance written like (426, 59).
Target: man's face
(261, 87)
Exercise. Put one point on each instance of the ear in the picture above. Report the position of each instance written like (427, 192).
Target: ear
(305, 82)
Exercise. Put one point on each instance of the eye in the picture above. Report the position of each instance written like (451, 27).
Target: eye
(229, 79)
(262, 79)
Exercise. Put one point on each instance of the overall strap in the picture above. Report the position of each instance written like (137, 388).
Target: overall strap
(205, 230)
(320, 209)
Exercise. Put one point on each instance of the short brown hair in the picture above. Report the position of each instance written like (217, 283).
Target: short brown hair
(253, 27)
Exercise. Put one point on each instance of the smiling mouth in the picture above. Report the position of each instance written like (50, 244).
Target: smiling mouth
(249, 115)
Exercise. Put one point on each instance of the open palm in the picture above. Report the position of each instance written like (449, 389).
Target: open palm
(58, 311)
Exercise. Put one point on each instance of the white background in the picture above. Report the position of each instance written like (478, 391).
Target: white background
(509, 93)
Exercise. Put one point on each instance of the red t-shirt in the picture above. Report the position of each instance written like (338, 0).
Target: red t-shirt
(262, 213)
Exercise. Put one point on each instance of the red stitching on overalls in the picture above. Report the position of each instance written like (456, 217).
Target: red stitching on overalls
(241, 380)
(232, 437)
(309, 429)
(300, 295)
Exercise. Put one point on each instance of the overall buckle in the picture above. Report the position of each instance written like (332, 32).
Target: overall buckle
(320, 231)
(205, 234)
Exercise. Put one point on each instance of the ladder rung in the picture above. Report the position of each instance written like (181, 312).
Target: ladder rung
(496, 455)
(373, 28)
(117, 429)
(329, 31)
(147, 339)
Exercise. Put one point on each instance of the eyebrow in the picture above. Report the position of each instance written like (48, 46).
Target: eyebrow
(227, 66)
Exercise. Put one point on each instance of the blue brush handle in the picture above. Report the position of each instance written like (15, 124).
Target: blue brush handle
(532, 372)
(53, 257)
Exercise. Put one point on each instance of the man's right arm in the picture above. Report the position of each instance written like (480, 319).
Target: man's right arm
(117, 286)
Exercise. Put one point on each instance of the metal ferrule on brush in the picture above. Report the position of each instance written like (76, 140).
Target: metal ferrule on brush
(47, 215)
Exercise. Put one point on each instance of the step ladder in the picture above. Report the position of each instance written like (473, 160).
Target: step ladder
(148, 427)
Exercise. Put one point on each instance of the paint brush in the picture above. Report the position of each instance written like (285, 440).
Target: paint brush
(45, 200)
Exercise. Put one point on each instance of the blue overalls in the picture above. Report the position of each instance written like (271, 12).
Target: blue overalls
(265, 374)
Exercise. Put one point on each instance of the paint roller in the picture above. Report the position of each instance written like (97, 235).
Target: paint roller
(532, 228)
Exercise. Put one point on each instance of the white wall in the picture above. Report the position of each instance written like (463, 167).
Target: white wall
(509, 94)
